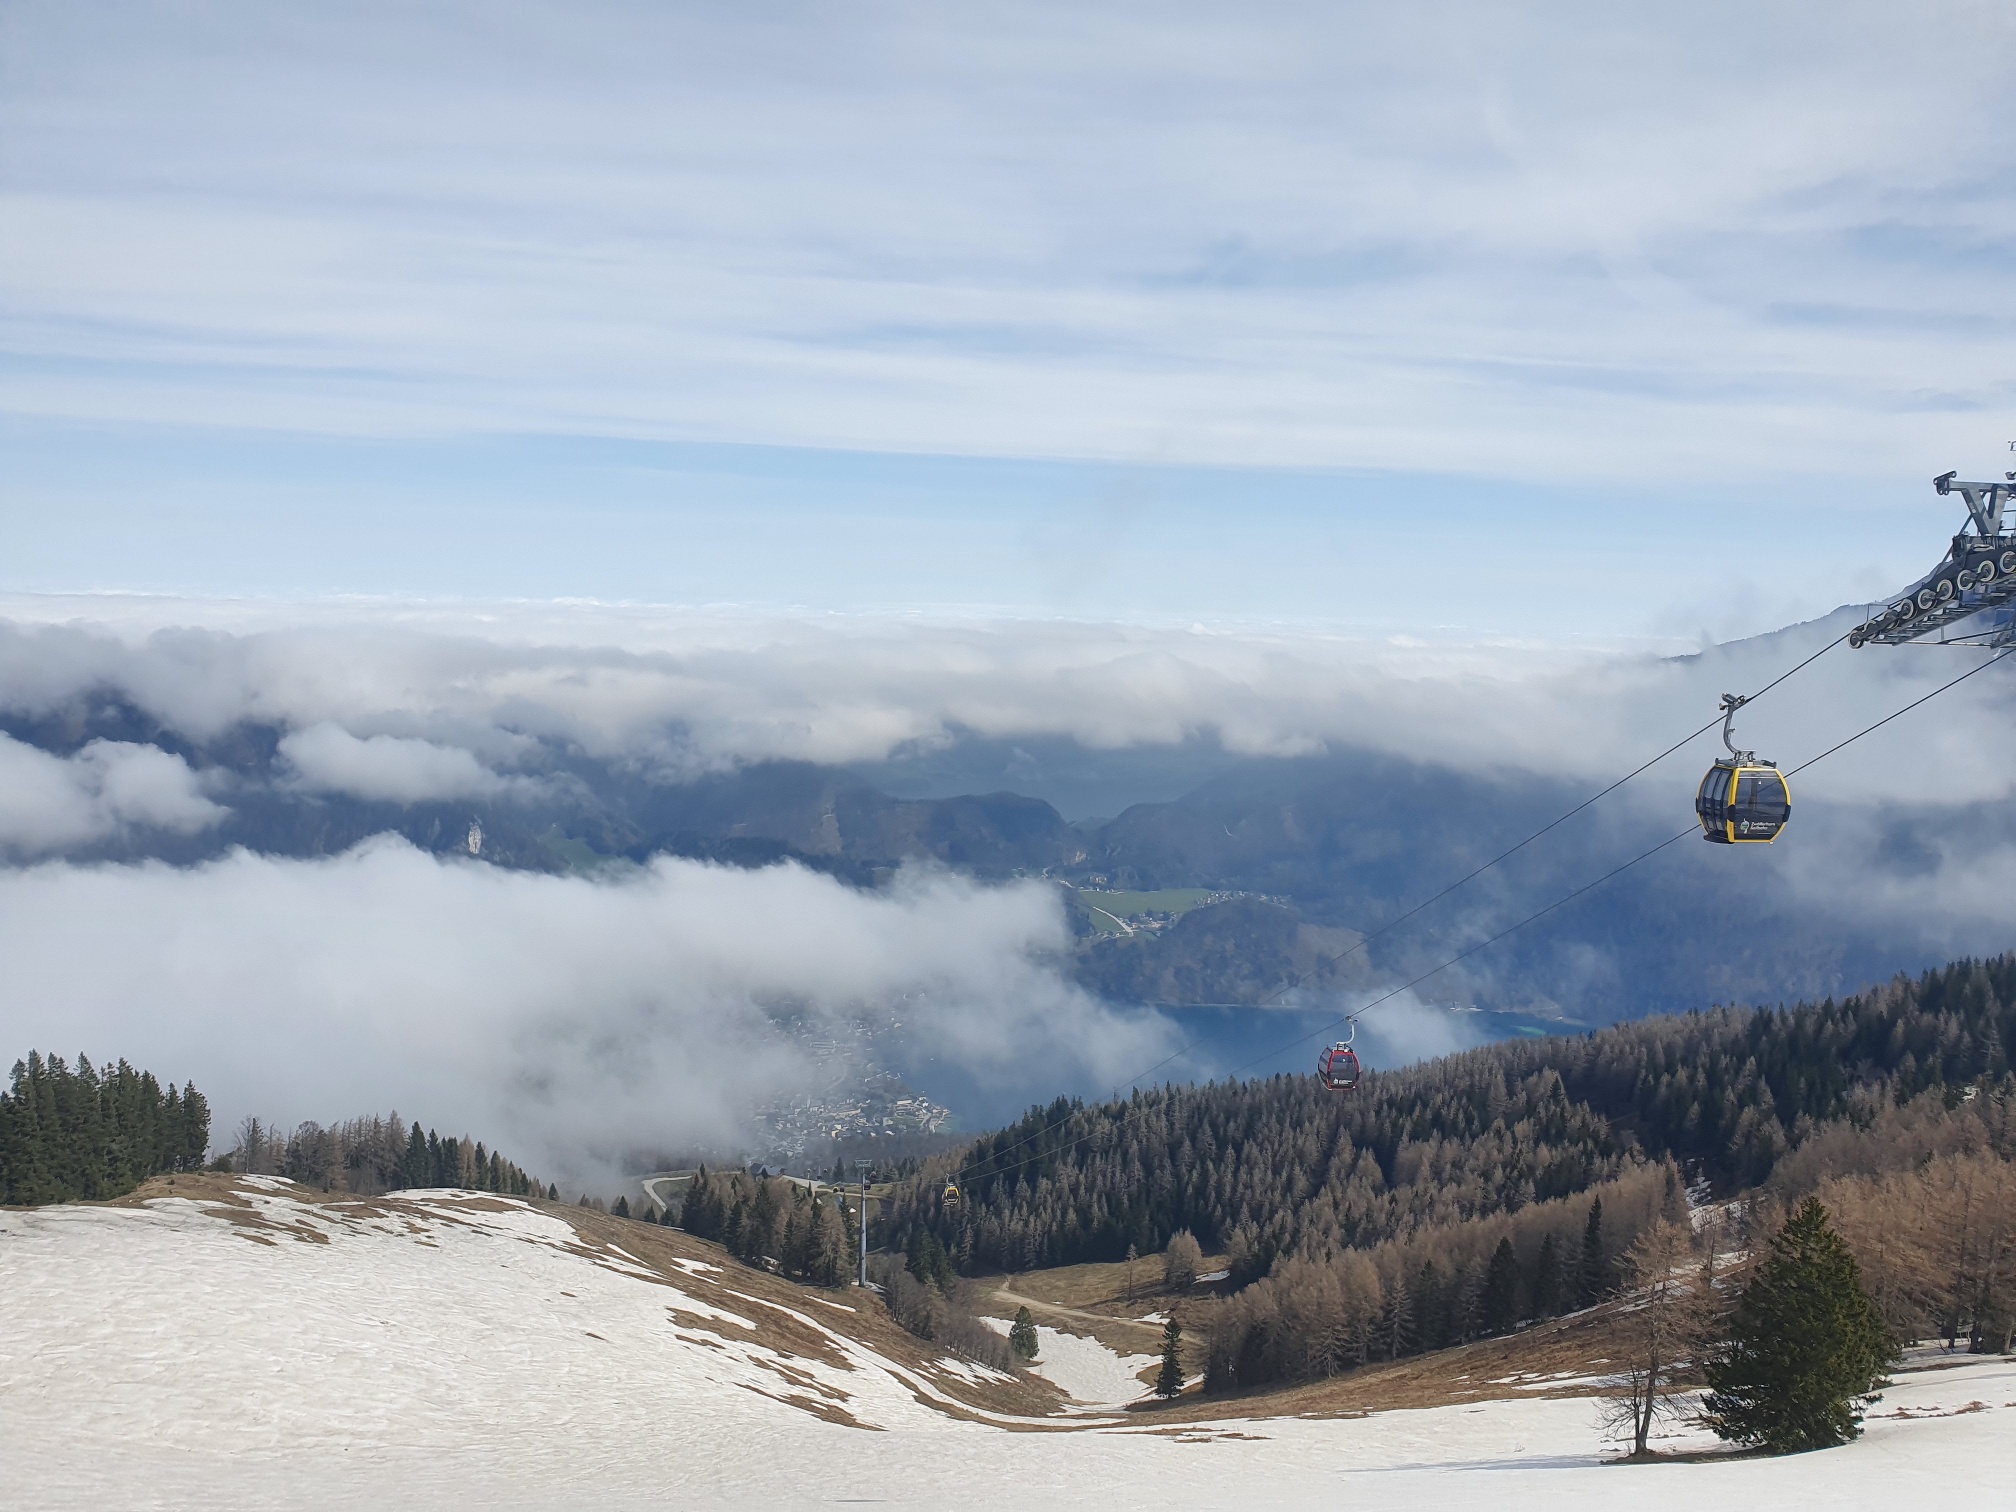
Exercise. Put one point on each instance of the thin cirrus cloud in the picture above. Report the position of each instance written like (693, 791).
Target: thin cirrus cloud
(1573, 244)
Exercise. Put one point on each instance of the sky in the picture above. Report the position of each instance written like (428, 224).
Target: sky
(1590, 322)
(715, 384)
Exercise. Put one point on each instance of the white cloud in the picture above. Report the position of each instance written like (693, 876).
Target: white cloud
(459, 693)
(568, 1019)
(398, 769)
(50, 803)
(1591, 242)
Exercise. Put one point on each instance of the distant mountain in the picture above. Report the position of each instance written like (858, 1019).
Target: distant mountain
(1338, 845)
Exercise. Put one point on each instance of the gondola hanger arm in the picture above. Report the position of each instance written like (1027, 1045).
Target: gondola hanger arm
(1731, 702)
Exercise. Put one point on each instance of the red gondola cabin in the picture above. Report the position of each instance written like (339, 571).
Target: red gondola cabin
(1338, 1069)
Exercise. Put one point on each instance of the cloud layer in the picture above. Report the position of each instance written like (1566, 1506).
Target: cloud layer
(49, 803)
(406, 703)
(1585, 242)
(326, 758)
(642, 1008)
(574, 1020)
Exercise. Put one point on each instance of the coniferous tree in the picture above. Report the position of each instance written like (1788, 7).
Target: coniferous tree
(1499, 1307)
(552, 1192)
(1022, 1335)
(1592, 1280)
(695, 1214)
(1547, 1279)
(622, 1208)
(1807, 1348)
(1169, 1381)
(759, 1227)
(1396, 1319)
(1431, 1324)
(733, 1219)
(67, 1134)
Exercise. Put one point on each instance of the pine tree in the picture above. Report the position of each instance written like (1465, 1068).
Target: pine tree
(1022, 1336)
(1169, 1383)
(1807, 1349)
(1500, 1305)
(622, 1208)
(1547, 1279)
(1396, 1319)
(552, 1192)
(695, 1214)
(759, 1228)
(1592, 1280)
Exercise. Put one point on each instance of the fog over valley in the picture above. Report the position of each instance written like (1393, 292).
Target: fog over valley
(611, 881)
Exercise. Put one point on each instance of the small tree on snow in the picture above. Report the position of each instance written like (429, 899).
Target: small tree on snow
(1664, 1325)
(1170, 1382)
(1022, 1336)
(1807, 1348)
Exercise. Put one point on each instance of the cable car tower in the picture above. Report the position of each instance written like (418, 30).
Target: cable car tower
(1978, 576)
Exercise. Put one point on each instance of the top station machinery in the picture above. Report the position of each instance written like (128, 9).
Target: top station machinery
(1977, 578)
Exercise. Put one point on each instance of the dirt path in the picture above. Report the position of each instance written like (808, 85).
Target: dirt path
(1037, 1305)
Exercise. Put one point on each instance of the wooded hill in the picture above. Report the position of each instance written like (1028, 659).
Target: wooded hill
(67, 1134)
(1281, 1167)
(82, 1134)
(376, 1154)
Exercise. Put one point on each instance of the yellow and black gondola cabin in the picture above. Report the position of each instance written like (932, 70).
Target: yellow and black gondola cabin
(1743, 803)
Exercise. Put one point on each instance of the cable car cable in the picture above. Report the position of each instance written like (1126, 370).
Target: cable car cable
(1644, 855)
(1297, 979)
(1392, 924)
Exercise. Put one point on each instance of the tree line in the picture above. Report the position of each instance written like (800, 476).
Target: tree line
(769, 1222)
(1277, 1167)
(82, 1134)
(1319, 1313)
(374, 1155)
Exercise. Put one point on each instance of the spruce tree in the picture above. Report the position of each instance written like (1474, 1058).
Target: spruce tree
(1169, 1383)
(759, 1227)
(1593, 1279)
(1500, 1304)
(1547, 1279)
(1807, 1348)
(622, 1208)
(694, 1211)
(1022, 1336)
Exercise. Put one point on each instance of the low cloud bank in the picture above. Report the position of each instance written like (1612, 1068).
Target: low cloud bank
(327, 758)
(48, 803)
(568, 1020)
(407, 703)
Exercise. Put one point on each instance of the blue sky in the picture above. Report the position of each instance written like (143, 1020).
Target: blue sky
(1581, 321)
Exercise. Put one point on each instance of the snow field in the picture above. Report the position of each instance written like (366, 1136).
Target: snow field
(446, 1352)
(1086, 1370)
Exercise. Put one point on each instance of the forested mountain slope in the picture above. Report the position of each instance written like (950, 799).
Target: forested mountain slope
(1280, 1166)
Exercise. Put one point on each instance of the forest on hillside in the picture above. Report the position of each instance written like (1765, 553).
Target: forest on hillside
(1725, 1093)
(1473, 1192)
(70, 1133)
(374, 1154)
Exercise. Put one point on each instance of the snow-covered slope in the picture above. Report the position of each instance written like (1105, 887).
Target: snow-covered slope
(248, 1346)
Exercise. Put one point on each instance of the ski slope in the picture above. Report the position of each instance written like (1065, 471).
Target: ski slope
(251, 1347)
